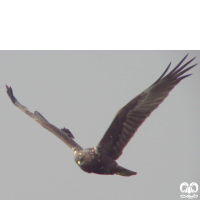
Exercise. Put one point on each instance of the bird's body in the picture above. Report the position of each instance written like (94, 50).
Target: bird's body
(90, 161)
(102, 158)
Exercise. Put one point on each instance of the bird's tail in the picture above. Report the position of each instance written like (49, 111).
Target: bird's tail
(123, 171)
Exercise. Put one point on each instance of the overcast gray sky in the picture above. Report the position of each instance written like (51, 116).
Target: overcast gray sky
(82, 91)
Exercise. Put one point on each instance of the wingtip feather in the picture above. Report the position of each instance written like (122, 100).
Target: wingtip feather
(182, 77)
(185, 57)
(10, 93)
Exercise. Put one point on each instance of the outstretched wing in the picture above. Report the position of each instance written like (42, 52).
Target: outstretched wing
(64, 134)
(132, 115)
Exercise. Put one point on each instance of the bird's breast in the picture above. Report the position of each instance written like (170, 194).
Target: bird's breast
(91, 162)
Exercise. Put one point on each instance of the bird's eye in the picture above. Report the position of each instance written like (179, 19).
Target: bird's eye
(79, 162)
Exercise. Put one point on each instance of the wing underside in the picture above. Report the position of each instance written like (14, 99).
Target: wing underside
(64, 134)
(132, 115)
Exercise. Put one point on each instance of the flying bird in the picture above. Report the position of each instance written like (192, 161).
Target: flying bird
(102, 158)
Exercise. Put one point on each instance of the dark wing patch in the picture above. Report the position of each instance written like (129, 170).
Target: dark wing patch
(61, 134)
(131, 116)
(68, 132)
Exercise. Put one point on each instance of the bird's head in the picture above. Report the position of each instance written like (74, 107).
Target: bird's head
(80, 158)
(84, 159)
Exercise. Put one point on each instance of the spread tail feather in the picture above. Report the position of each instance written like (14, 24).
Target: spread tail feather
(124, 172)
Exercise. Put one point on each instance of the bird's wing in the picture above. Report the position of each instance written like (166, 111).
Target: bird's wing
(63, 134)
(132, 115)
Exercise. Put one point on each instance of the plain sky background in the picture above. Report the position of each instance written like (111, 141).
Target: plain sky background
(82, 91)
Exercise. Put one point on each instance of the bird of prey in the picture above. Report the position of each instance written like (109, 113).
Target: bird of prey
(102, 158)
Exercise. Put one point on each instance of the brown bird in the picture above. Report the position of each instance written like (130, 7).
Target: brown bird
(102, 158)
